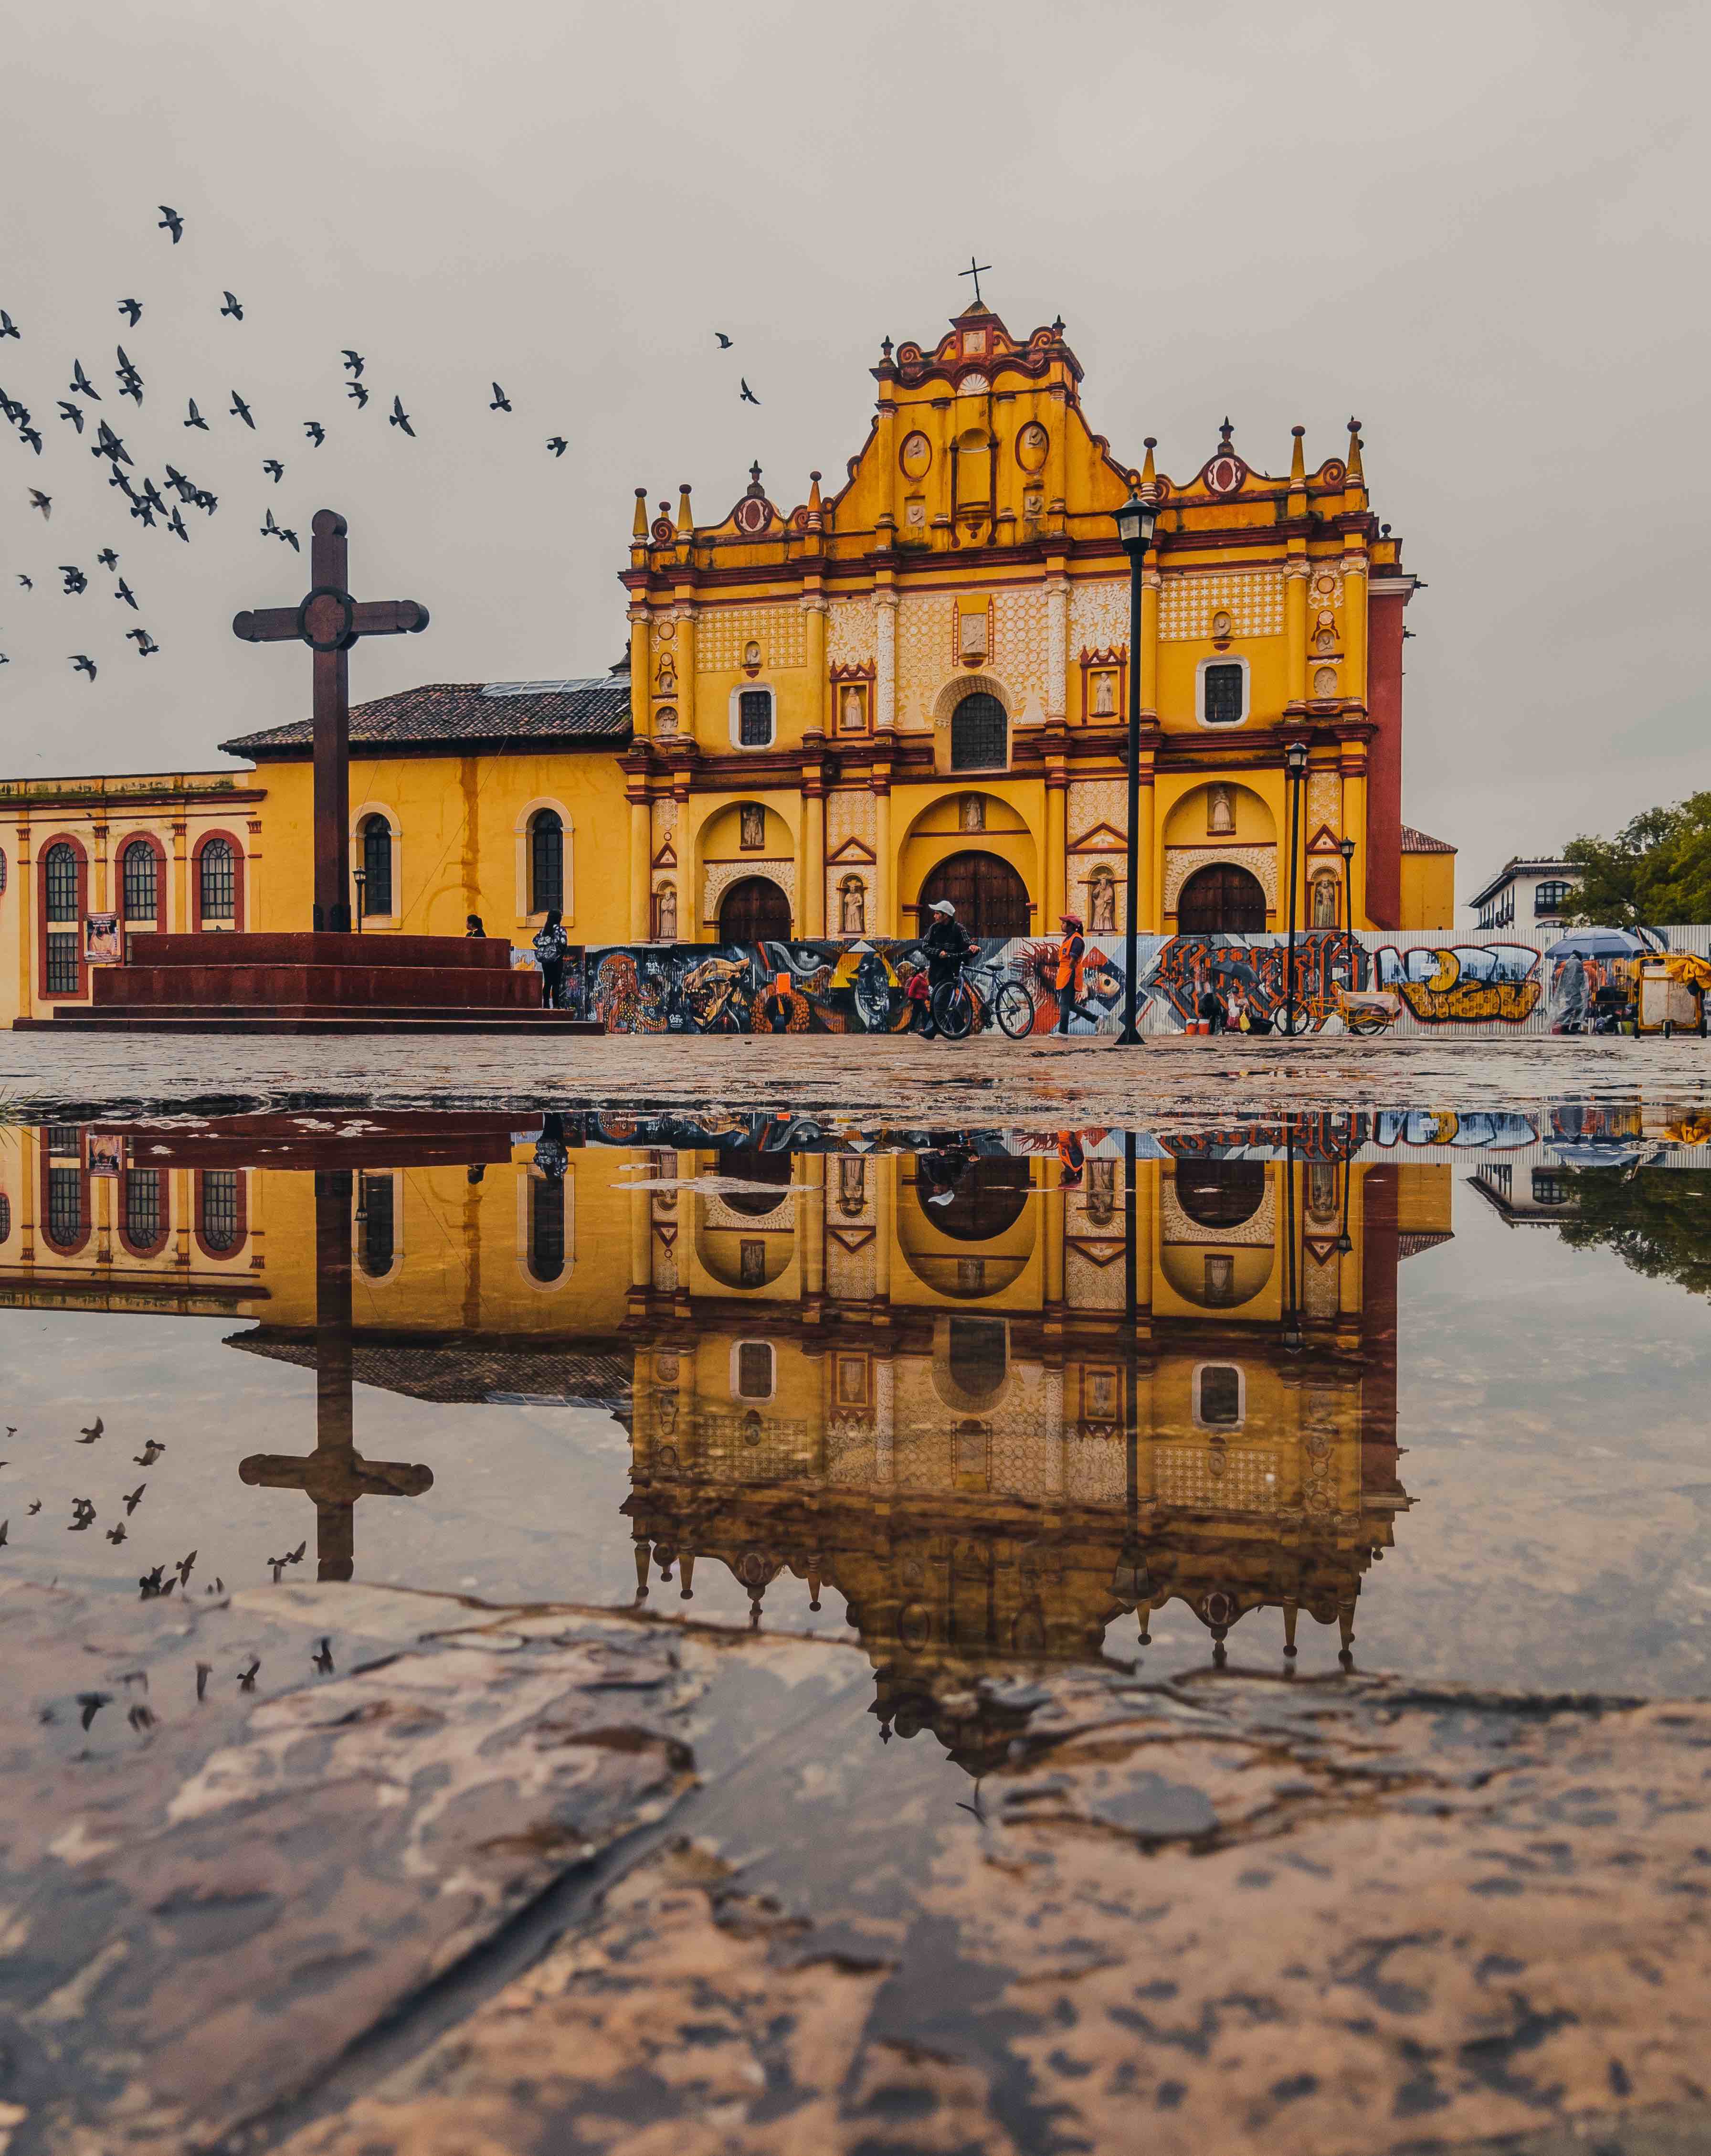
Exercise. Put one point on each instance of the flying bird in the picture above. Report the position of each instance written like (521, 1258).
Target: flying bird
(185, 1563)
(96, 1430)
(500, 402)
(82, 664)
(134, 1499)
(9, 327)
(141, 509)
(115, 477)
(72, 411)
(27, 433)
(290, 538)
(240, 410)
(92, 1702)
(128, 378)
(316, 433)
(398, 417)
(355, 362)
(35, 1508)
(25, 581)
(233, 307)
(4, 1525)
(171, 222)
(356, 390)
(206, 501)
(75, 581)
(109, 444)
(145, 645)
(724, 340)
(748, 396)
(115, 1535)
(132, 311)
(175, 525)
(183, 488)
(323, 1661)
(274, 469)
(246, 1678)
(196, 419)
(107, 558)
(80, 383)
(125, 593)
(557, 444)
(151, 494)
(44, 502)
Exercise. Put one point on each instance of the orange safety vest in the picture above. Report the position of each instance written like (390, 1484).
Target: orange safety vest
(1069, 966)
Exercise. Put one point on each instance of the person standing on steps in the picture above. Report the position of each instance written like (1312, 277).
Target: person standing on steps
(550, 944)
(1072, 969)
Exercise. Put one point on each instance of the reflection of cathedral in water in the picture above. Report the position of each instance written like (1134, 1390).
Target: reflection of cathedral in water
(908, 1379)
(918, 1386)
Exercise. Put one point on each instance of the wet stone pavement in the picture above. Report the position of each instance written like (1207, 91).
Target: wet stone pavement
(725, 1630)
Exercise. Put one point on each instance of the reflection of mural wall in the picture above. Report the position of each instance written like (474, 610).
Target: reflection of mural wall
(1429, 985)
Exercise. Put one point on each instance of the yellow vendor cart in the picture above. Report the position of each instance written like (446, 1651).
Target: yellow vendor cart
(1670, 994)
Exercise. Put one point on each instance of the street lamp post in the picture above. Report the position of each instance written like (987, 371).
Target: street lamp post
(1346, 848)
(1295, 777)
(1135, 521)
(360, 878)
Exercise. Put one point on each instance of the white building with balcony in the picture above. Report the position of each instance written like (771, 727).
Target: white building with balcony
(1528, 897)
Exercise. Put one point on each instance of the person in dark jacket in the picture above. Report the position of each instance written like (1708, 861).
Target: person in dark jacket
(550, 944)
(947, 945)
(472, 925)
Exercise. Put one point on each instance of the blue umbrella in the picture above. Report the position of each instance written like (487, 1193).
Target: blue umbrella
(1600, 943)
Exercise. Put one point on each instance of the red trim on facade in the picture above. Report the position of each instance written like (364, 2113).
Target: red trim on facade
(40, 866)
(237, 845)
(1383, 759)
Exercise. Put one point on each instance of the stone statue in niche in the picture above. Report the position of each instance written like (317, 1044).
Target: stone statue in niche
(972, 813)
(665, 681)
(853, 907)
(852, 711)
(751, 818)
(751, 658)
(1220, 812)
(1105, 704)
(972, 636)
(665, 719)
(852, 1183)
(1102, 904)
(665, 913)
(1325, 900)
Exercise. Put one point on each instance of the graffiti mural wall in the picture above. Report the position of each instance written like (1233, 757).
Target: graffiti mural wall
(1371, 981)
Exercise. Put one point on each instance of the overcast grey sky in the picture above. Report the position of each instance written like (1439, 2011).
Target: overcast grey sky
(1480, 228)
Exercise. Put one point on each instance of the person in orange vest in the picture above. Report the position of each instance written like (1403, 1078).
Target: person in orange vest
(1072, 967)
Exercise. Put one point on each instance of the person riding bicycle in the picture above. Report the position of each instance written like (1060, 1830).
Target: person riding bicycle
(947, 945)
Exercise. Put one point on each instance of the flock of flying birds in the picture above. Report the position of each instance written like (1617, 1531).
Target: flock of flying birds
(146, 501)
(160, 1580)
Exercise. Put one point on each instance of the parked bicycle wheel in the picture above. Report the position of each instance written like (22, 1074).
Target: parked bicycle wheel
(1014, 1009)
(1292, 1018)
(954, 1009)
(1362, 1027)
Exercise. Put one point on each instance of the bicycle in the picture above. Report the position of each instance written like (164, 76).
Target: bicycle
(970, 1002)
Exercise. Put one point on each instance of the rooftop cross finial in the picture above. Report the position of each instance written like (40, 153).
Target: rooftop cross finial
(755, 476)
(973, 271)
(1227, 430)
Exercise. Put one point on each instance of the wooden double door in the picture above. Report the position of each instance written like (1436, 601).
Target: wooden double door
(990, 897)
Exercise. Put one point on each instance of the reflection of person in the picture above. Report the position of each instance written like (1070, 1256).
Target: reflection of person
(550, 944)
(1072, 970)
(1071, 1156)
(550, 1157)
(942, 1169)
(472, 927)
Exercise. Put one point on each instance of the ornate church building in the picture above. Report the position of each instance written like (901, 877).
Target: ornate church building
(916, 687)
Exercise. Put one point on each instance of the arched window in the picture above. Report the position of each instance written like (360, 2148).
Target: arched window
(68, 1215)
(547, 1227)
(145, 1229)
(140, 880)
(546, 861)
(1220, 1193)
(61, 877)
(1548, 897)
(219, 1223)
(377, 1227)
(217, 882)
(376, 865)
(979, 734)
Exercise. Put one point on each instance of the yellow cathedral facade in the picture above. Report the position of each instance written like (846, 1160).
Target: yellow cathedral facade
(912, 686)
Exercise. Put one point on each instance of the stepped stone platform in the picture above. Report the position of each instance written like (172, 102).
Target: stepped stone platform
(316, 983)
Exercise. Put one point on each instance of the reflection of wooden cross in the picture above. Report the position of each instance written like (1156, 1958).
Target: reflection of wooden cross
(975, 270)
(329, 621)
(334, 1474)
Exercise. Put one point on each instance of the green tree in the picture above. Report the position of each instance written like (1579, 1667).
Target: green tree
(1659, 1224)
(1656, 869)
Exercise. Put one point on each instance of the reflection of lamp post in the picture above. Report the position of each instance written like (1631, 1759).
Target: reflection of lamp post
(1346, 848)
(1351, 1145)
(360, 877)
(1136, 521)
(1294, 1339)
(1294, 776)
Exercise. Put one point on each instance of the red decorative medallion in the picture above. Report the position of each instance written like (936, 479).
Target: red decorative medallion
(753, 514)
(1225, 473)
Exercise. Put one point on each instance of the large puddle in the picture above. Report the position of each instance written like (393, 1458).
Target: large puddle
(1407, 1392)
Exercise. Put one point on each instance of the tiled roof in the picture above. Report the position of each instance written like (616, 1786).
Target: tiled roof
(1422, 842)
(597, 1376)
(493, 713)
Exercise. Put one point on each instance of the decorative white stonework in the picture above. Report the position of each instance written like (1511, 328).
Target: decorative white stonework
(1177, 1227)
(851, 812)
(924, 626)
(1088, 1285)
(718, 878)
(664, 814)
(1181, 862)
(1098, 617)
(1324, 590)
(661, 633)
(1223, 1478)
(1252, 599)
(1056, 647)
(1324, 802)
(885, 612)
(1325, 681)
(1322, 1287)
(1022, 633)
(851, 635)
(716, 1213)
(973, 385)
(1093, 802)
(723, 634)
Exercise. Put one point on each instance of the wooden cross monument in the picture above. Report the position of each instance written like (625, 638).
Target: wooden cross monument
(329, 621)
(335, 1475)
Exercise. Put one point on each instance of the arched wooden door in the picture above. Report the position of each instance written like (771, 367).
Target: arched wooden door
(755, 911)
(990, 897)
(1220, 899)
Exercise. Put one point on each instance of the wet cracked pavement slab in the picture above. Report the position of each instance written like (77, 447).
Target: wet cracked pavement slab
(549, 1879)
